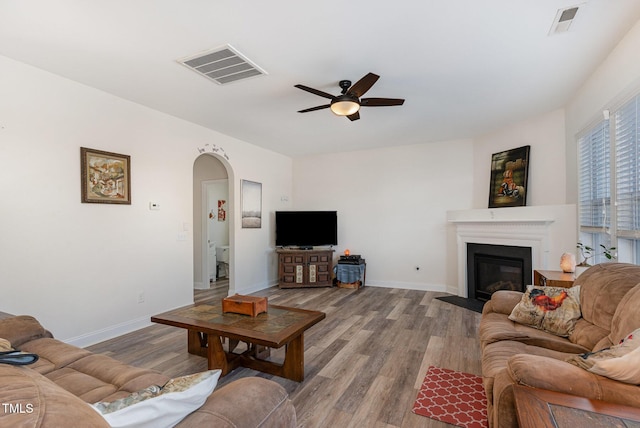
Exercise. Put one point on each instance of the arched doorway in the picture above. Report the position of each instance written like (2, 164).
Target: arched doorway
(212, 224)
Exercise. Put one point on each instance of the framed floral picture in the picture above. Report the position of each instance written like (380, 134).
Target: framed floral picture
(509, 173)
(105, 177)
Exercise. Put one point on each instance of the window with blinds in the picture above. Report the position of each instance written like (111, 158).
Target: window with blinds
(609, 167)
(595, 179)
(627, 127)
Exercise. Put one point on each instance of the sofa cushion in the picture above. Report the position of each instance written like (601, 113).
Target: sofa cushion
(496, 355)
(587, 335)
(268, 402)
(627, 316)
(21, 329)
(92, 377)
(38, 402)
(53, 354)
(602, 288)
(495, 327)
(552, 309)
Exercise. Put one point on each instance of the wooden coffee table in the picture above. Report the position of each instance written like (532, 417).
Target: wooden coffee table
(280, 326)
(539, 408)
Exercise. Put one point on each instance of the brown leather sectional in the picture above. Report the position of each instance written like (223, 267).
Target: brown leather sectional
(516, 354)
(55, 390)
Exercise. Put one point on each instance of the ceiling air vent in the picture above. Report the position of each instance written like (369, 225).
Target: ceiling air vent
(563, 19)
(223, 65)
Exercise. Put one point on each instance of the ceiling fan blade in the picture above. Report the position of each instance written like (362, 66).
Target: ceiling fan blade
(381, 102)
(315, 91)
(354, 116)
(363, 85)
(314, 108)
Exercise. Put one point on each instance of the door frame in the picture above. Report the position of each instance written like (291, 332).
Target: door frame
(205, 227)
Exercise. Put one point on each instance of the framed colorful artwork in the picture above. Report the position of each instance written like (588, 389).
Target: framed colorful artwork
(509, 174)
(222, 210)
(105, 177)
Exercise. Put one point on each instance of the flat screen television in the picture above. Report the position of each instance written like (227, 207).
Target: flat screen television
(306, 229)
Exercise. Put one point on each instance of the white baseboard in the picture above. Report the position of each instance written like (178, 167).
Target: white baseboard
(407, 285)
(107, 333)
(452, 289)
(200, 286)
(254, 288)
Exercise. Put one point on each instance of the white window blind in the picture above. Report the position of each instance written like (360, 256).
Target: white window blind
(595, 179)
(609, 167)
(627, 145)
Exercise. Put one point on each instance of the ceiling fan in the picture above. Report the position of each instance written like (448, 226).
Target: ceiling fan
(348, 103)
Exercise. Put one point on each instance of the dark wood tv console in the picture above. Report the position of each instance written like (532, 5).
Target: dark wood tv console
(304, 268)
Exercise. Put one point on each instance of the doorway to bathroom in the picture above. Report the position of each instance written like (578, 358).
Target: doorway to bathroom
(211, 223)
(215, 201)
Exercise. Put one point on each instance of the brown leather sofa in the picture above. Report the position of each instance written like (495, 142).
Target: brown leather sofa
(516, 354)
(55, 390)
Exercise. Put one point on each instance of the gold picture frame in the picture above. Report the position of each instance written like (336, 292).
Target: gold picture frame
(105, 177)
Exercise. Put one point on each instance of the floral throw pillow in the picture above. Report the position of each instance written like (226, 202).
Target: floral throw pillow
(620, 362)
(552, 309)
(625, 369)
(160, 406)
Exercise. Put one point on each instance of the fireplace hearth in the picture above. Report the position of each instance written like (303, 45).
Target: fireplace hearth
(496, 267)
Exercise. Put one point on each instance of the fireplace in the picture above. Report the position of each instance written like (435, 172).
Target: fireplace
(549, 230)
(496, 267)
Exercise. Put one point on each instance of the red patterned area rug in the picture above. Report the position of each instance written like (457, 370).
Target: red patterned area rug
(453, 397)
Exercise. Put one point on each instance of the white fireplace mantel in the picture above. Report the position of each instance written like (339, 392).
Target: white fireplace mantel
(534, 227)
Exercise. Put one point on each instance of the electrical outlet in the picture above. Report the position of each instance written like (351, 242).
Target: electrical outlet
(141, 297)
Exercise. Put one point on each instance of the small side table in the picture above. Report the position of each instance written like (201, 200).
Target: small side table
(553, 278)
(350, 276)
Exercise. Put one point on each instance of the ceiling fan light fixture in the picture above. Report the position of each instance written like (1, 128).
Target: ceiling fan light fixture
(345, 105)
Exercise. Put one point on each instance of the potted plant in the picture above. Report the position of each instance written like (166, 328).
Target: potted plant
(588, 252)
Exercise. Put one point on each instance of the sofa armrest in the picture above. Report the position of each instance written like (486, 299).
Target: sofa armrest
(22, 329)
(556, 375)
(247, 402)
(502, 302)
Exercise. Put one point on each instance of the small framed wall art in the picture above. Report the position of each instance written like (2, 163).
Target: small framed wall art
(509, 173)
(105, 177)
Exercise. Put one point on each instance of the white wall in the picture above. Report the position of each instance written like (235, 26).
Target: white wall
(617, 77)
(392, 206)
(79, 268)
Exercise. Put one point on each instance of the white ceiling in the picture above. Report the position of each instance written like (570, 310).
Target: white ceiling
(465, 67)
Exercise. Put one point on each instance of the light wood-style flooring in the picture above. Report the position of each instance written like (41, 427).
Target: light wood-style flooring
(363, 364)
